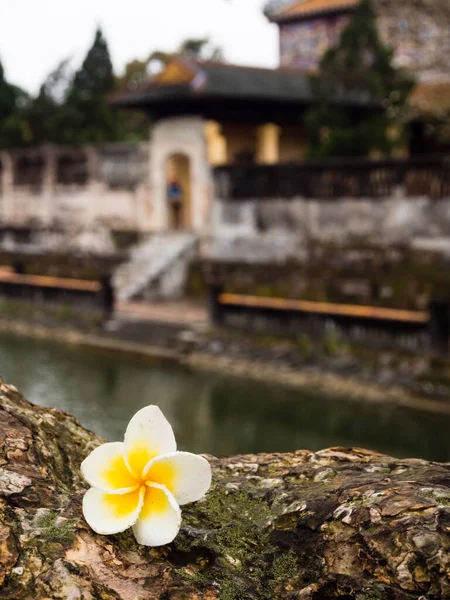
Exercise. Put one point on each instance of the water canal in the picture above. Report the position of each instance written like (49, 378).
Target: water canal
(212, 413)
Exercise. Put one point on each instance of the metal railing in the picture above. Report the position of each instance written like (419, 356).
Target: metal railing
(335, 178)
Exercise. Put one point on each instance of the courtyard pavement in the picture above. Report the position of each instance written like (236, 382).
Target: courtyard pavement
(183, 313)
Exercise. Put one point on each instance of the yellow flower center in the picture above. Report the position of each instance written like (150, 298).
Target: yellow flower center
(139, 455)
(138, 458)
(123, 505)
(117, 474)
(162, 473)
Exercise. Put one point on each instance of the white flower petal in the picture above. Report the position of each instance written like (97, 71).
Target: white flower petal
(148, 435)
(187, 476)
(105, 469)
(160, 518)
(112, 513)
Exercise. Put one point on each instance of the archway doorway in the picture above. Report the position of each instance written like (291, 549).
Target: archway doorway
(179, 191)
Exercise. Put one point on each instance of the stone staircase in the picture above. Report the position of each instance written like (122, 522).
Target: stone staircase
(157, 268)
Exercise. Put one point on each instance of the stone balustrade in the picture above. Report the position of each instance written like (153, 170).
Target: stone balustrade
(76, 186)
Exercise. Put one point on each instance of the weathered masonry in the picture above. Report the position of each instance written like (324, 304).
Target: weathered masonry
(389, 201)
(122, 187)
(419, 331)
(76, 187)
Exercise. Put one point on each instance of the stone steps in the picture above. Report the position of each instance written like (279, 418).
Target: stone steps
(156, 266)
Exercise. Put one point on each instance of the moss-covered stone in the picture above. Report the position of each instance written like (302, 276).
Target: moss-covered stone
(356, 272)
(50, 527)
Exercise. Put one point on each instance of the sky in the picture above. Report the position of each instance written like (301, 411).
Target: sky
(35, 35)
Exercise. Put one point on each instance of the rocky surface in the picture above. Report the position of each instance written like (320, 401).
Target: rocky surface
(340, 523)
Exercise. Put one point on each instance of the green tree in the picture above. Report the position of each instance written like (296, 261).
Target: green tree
(197, 48)
(86, 115)
(359, 67)
(134, 124)
(201, 48)
(44, 113)
(14, 128)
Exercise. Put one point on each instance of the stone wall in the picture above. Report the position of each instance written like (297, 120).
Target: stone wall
(278, 229)
(77, 187)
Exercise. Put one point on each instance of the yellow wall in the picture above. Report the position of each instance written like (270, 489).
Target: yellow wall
(268, 143)
(216, 144)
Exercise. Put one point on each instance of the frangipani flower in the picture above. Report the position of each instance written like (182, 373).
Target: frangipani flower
(142, 482)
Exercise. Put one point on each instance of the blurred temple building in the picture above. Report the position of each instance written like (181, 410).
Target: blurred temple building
(209, 114)
(221, 132)
(417, 30)
(221, 194)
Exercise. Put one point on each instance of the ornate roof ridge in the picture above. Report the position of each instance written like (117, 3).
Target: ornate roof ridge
(274, 6)
(280, 10)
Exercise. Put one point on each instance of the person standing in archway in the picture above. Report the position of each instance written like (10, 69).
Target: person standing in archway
(175, 199)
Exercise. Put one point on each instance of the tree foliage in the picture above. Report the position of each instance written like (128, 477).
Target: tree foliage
(73, 108)
(361, 67)
(14, 129)
(86, 115)
(202, 49)
(69, 109)
(138, 71)
(44, 111)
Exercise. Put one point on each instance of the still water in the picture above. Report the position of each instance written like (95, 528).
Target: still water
(212, 413)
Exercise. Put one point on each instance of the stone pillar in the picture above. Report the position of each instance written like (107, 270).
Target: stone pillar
(160, 214)
(268, 144)
(216, 144)
(93, 164)
(439, 326)
(2, 186)
(214, 307)
(143, 207)
(202, 195)
(48, 184)
(180, 136)
(94, 186)
(7, 188)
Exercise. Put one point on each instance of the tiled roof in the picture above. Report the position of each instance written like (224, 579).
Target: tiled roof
(224, 81)
(215, 79)
(306, 8)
